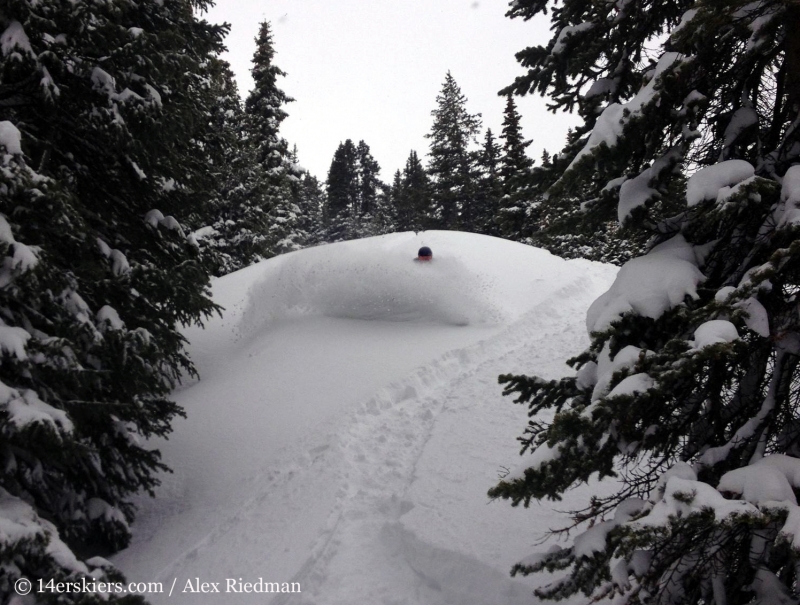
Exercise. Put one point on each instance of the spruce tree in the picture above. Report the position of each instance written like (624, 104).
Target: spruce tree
(342, 194)
(451, 165)
(412, 196)
(514, 159)
(105, 108)
(220, 134)
(690, 389)
(417, 187)
(213, 226)
(367, 171)
(402, 212)
(369, 189)
(276, 175)
(384, 219)
(353, 189)
(264, 107)
(263, 214)
(557, 222)
(512, 220)
(489, 187)
(311, 199)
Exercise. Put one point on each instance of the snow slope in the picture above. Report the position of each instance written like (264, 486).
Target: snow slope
(348, 423)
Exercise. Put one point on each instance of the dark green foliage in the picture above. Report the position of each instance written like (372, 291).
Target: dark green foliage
(403, 214)
(216, 228)
(310, 200)
(31, 548)
(558, 222)
(258, 216)
(411, 195)
(264, 104)
(514, 160)
(368, 182)
(384, 219)
(342, 194)
(698, 411)
(352, 191)
(96, 281)
(451, 164)
(696, 428)
(512, 219)
(277, 175)
(489, 186)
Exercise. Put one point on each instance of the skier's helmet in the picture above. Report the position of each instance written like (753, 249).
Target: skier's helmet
(425, 253)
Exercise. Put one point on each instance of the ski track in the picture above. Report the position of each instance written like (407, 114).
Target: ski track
(338, 536)
(377, 459)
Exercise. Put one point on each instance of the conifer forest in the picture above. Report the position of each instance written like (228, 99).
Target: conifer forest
(135, 175)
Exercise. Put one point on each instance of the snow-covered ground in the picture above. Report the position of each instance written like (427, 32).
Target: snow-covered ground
(348, 423)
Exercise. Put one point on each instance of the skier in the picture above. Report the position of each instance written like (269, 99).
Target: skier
(424, 255)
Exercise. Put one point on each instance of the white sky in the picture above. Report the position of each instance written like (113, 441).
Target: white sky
(371, 69)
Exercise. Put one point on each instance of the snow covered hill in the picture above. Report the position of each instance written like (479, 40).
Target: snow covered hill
(348, 423)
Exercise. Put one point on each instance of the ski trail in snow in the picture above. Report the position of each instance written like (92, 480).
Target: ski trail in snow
(378, 453)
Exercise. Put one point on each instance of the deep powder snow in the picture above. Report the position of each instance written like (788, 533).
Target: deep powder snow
(348, 423)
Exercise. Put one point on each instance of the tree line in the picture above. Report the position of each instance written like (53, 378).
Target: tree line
(464, 185)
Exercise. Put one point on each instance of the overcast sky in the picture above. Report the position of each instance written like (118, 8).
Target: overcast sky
(371, 70)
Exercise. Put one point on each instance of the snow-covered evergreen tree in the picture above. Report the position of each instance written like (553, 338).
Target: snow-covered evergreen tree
(512, 221)
(341, 194)
(262, 213)
(213, 226)
(558, 222)
(451, 165)
(367, 169)
(369, 188)
(514, 159)
(402, 213)
(311, 200)
(412, 196)
(384, 219)
(489, 188)
(352, 193)
(99, 147)
(690, 389)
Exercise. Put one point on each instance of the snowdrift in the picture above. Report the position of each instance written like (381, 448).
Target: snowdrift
(377, 279)
(384, 286)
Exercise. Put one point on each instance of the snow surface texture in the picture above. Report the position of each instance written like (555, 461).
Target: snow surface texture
(348, 424)
(355, 283)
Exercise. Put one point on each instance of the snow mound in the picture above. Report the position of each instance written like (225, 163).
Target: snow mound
(10, 137)
(377, 279)
(770, 479)
(714, 332)
(649, 285)
(707, 183)
(789, 211)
